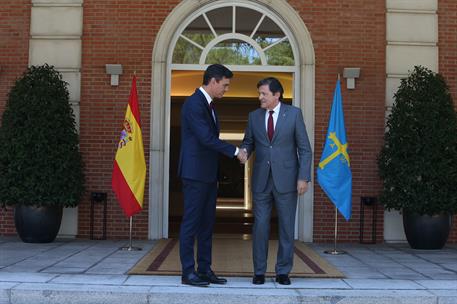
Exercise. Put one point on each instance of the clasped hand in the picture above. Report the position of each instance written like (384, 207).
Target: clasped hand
(242, 155)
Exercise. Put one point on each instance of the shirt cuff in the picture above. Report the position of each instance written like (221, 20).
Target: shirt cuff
(237, 151)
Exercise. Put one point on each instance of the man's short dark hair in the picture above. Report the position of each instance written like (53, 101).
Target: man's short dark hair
(216, 71)
(273, 84)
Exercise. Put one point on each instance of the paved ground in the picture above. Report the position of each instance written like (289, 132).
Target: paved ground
(82, 271)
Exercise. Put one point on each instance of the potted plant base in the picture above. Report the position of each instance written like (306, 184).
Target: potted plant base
(37, 224)
(426, 231)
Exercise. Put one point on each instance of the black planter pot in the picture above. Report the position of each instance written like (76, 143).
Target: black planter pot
(37, 224)
(425, 231)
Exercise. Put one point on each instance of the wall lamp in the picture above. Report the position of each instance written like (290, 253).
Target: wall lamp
(114, 70)
(351, 74)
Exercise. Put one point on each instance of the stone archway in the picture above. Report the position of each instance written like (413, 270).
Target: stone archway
(160, 97)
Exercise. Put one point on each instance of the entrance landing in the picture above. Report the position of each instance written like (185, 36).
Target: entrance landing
(83, 271)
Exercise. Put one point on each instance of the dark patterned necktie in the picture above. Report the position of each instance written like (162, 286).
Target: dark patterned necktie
(213, 110)
(270, 128)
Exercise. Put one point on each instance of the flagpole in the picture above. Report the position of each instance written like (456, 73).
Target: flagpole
(334, 251)
(130, 247)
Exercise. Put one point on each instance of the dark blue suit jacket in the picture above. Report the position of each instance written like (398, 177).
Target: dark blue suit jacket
(200, 143)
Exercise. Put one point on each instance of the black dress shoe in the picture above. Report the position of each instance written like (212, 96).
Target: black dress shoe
(258, 279)
(194, 280)
(283, 279)
(211, 277)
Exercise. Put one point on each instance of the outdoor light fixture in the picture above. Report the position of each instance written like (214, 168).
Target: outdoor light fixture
(114, 70)
(351, 74)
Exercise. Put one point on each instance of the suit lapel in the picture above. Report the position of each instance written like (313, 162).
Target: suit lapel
(206, 105)
(214, 119)
(216, 122)
(281, 120)
(261, 123)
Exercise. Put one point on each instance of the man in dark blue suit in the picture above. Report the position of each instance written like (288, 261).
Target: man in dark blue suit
(198, 169)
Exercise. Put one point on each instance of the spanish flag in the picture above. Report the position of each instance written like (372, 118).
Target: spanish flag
(129, 171)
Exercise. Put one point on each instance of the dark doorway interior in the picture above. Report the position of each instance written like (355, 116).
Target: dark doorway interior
(233, 215)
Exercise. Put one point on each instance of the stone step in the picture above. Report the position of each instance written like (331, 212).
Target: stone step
(37, 293)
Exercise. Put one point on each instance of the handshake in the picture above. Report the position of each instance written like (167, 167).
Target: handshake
(242, 155)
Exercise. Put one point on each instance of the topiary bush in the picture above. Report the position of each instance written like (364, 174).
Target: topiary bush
(40, 161)
(418, 162)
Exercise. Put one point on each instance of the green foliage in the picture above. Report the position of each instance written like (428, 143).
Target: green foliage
(228, 55)
(232, 51)
(40, 162)
(280, 54)
(418, 162)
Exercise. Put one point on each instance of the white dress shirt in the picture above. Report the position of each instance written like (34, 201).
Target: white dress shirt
(275, 116)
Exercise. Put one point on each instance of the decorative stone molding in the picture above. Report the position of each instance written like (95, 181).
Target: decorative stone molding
(158, 195)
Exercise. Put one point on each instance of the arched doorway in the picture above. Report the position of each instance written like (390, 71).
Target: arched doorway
(249, 30)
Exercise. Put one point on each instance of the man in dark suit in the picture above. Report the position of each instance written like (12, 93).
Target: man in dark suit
(198, 169)
(282, 169)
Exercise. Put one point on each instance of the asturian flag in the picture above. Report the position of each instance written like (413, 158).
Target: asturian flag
(129, 171)
(334, 171)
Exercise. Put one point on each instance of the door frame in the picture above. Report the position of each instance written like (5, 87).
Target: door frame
(303, 97)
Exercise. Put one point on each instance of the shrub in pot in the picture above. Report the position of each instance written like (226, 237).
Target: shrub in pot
(418, 162)
(41, 168)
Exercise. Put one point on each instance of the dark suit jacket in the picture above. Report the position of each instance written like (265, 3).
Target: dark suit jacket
(288, 155)
(200, 143)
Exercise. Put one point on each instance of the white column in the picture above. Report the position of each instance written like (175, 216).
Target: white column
(55, 38)
(412, 37)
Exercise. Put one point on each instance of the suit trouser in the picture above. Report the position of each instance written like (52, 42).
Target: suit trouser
(197, 223)
(286, 206)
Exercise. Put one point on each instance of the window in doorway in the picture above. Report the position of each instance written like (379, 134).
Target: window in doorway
(233, 35)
